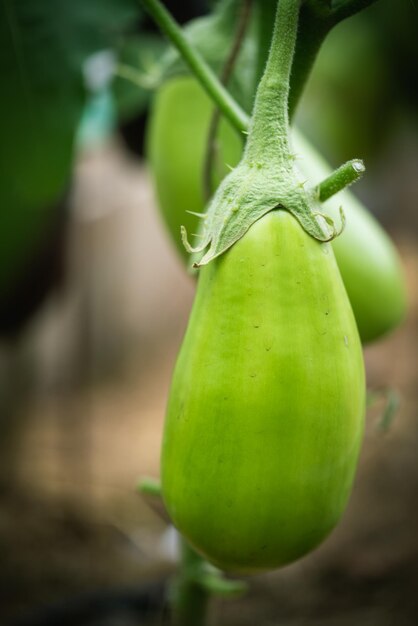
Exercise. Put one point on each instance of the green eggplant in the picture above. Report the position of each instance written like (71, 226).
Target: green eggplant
(369, 263)
(265, 414)
(176, 144)
(176, 141)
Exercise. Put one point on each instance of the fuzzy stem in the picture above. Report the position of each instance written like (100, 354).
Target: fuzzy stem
(196, 63)
(312, 31)
(265, 11)
(344, 176)
(269, 128)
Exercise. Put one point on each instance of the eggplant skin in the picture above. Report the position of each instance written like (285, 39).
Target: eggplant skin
(266, 409)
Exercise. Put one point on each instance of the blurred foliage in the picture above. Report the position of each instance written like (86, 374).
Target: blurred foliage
(139, 59)
(364, 82)
(147, 60)
(43, 45)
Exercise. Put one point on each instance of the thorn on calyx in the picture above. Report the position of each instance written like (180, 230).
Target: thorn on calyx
(202, 216)
(192, 249)
(334, 231)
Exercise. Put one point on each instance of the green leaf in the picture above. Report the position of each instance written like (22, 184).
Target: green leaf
(43, 44)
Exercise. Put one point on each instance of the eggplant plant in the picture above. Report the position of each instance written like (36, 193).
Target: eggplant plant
(265, 414)
(177, 152)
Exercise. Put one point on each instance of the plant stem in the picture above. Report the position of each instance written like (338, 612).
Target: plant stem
(150, 487)
(313, 29)
(269, 129)
(344, 176)
(265, 12)
(196, 63)
(190, 598)
(197, 580)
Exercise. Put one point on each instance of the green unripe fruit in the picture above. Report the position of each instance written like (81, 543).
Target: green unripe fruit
(265, 415)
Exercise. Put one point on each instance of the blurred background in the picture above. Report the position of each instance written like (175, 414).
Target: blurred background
(94, 301)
